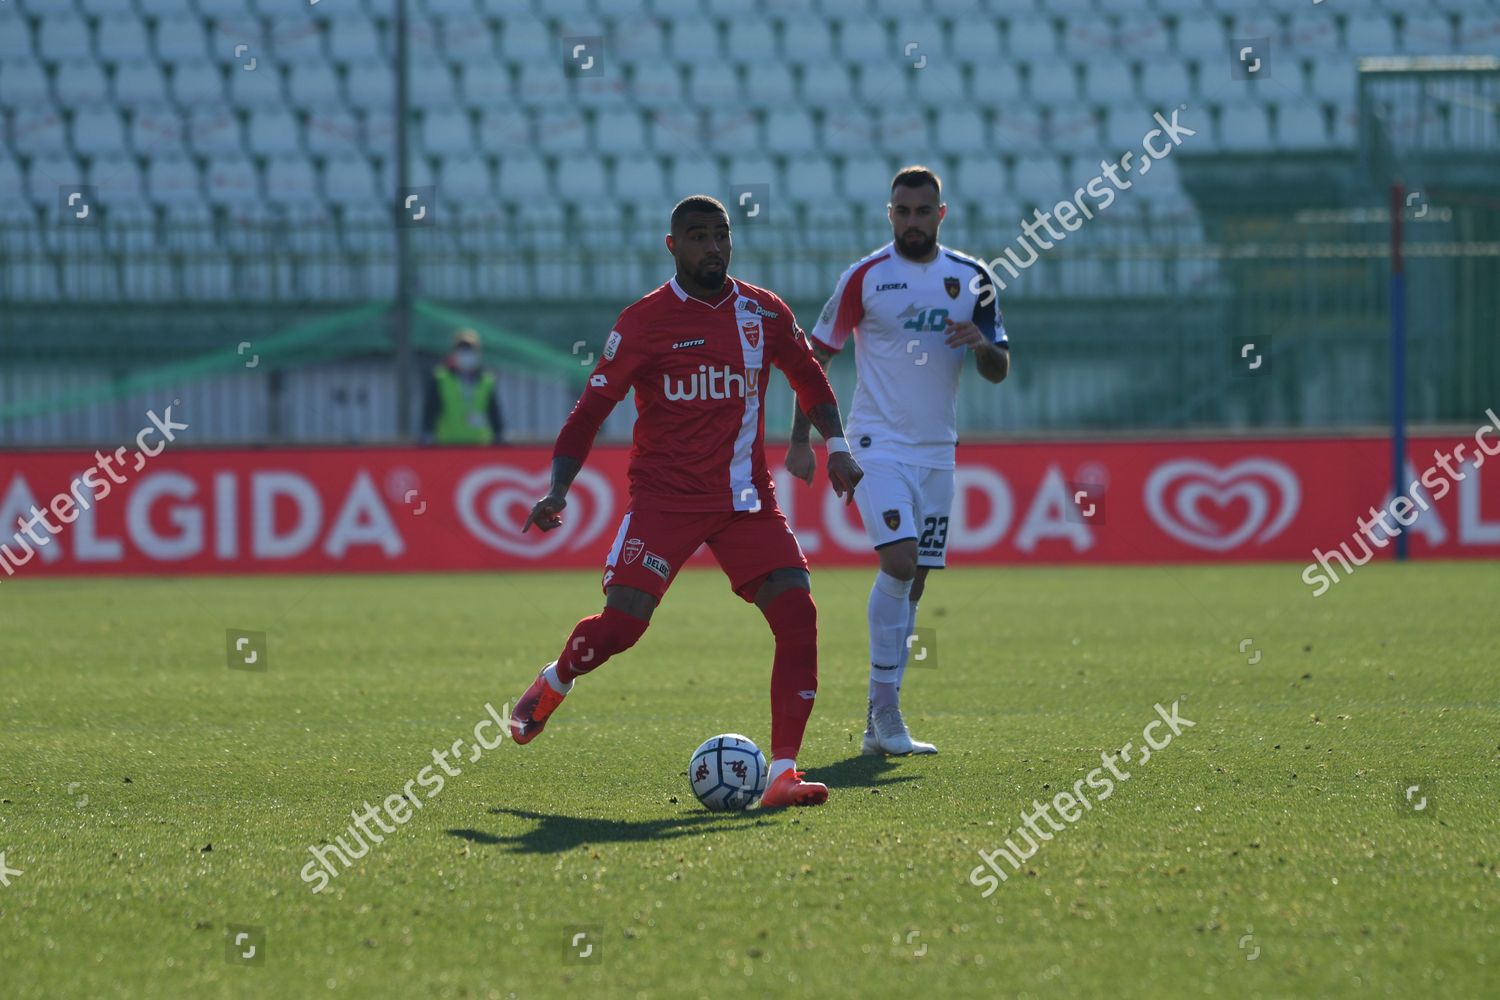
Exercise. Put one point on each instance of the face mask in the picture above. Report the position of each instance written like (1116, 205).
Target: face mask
(465, 359)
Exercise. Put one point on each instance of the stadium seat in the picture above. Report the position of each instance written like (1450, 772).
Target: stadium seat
(1039, 177)
(117, 176)
(789, 131)
(827, 86)
(1426, 33)
(539, 84)
(938, 85)
(684, 175)
(486, 85)
(197, 81)
(446, 131)
(22, 84)
(137, 83)
(63, 36)
(1300, 125)
(1334, 80)
(1088, 36)
(231, 180)
(1369, 34)
(15, 35)
(1165, 82)
(769, 90)
(846, 131)
(639, 181)
(562, 130)
(1313, 33)
(711, 85)
(213, 131)
(899, 131)
(1479, 33)
(733, 131)
(581, 181)
(368, 85)
(635, 39)
(694, 40)
(1031, 38)
(79, 82)
(432, 84)
(865, 41)
(256, 87)
(349, 180)
(977, 40)
(465, 38)
(353, 38)
(619, 130)
(331, 131)
(38, 131)
(272, 131)
(156, 130)
(1143, 36)
(810, 179)
(1053, 81)
(865, 179)
(106, 7)
(752, 40)
(995, 82)
(468, 178)
(657, 84)
(980, 178)
(1201, 36)
(1017, 129)
(523, 177)
(297, 38)
(1244, 127)
(172, 178)
(1074, 129)
(504, 130)
(806, 40)
(181, 38)
(98, 131)
(122, 36)
(960, 131)
(1107, 79)
(312, 86)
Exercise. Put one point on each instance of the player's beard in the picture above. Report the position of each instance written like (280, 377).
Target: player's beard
(710, 277)
(914, 243)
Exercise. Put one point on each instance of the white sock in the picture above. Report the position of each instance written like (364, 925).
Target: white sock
(780, 765)
(887, 613)
(555, 682)
(911, 629)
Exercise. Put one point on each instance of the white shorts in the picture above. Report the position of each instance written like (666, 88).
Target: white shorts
(898, 501)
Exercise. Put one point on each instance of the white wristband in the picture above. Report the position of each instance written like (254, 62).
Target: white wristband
(836, 445)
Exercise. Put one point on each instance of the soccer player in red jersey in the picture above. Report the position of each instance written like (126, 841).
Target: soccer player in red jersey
(695, 350)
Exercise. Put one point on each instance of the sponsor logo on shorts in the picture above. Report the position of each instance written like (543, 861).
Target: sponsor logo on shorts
(611, 345)
(609, 575)
(657, 565)
(688, 343)
(951, 286)
(633, 547)
(892, 518)
(807, 695)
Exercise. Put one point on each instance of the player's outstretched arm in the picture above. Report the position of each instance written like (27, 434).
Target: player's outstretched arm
(546, 513)
(844, 472)
(800, 460)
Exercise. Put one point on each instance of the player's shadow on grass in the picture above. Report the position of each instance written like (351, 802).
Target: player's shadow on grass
(859, 771)
(554, 833)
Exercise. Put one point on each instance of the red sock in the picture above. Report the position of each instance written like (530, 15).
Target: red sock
(794, 674)
(596, 639)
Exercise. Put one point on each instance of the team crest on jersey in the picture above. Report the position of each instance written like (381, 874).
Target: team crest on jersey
(892, 518)
(750, 330)
(951, 285)
(633, 547)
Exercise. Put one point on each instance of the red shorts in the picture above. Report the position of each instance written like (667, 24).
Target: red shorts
(652, 545)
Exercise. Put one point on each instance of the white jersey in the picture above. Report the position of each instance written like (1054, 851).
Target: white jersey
(906, 400)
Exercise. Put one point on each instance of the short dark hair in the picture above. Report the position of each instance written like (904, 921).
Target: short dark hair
(696, 203)
(917, 176)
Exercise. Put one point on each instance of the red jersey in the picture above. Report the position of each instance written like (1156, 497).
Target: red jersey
(699, 371)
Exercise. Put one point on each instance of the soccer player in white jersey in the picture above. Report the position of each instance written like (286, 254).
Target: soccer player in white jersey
(916, 309)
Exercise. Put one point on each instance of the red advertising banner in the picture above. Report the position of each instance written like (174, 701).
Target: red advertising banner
(373, 510)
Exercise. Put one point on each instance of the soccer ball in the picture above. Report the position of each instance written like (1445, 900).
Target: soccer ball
(728, 773)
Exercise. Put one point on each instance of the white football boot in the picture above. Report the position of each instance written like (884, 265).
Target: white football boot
(886, 733)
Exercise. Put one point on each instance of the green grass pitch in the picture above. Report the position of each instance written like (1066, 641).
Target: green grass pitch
(154, 801)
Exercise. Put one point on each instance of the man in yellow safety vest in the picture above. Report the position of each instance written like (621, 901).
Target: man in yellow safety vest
(461, 406)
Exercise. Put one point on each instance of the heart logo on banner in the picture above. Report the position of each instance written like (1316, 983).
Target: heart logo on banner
(1177, 493)
(493, 502)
